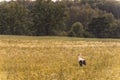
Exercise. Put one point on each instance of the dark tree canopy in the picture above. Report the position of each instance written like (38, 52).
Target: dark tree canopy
(49, 17)
(101, 26)
(13, 19)
(79, 18)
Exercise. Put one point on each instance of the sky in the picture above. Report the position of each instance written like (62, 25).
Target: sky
(3, 0)
(9, 0)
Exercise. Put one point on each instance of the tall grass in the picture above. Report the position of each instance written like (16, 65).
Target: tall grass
(55, 58)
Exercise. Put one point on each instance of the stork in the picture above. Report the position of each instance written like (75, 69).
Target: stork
(81, 60)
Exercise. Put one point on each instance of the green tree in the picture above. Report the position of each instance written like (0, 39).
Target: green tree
(77, 29)
(83, 14)
(102, 26)
(110, 6)
(71, 33)
(116, 30)
(13, 19)
(49, 17)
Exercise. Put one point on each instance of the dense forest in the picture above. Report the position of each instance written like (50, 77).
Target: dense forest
(74, 18)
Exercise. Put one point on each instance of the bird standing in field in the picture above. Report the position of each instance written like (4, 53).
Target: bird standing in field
(81, 60)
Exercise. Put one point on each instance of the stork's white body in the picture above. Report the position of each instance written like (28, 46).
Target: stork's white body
(81, 60)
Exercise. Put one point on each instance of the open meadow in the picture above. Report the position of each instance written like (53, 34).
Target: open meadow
(56, 58)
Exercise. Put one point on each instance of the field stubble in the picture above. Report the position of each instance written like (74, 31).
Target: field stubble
(56, 59)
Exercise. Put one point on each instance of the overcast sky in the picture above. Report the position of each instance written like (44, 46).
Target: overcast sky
(3, 0)
(33, 0)
(6, 0)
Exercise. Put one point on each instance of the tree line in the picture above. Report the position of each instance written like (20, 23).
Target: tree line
(74, 18)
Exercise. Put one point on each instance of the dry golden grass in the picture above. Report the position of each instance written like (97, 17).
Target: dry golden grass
(55, 58)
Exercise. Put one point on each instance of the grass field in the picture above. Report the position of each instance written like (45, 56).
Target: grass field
(55, 58)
